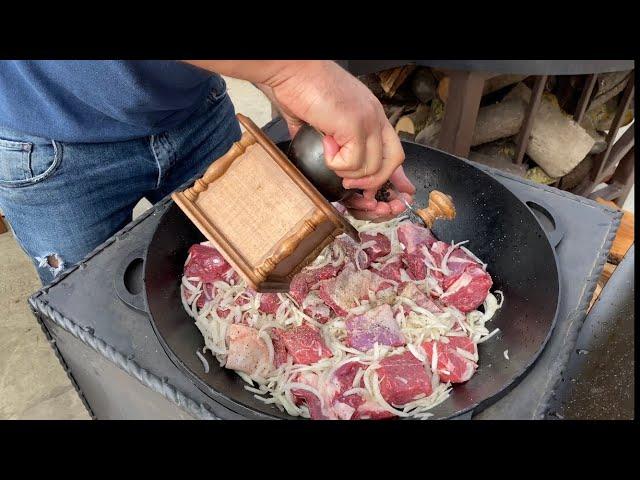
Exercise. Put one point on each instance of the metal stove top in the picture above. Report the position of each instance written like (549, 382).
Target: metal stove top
(121, 371)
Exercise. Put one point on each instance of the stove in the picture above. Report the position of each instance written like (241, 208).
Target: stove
(118, 367)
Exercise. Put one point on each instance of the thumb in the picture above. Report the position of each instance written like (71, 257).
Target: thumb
(331, 148)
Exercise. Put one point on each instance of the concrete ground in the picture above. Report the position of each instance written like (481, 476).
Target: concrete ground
(33, 385)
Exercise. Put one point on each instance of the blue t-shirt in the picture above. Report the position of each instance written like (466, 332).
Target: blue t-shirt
(100, 101)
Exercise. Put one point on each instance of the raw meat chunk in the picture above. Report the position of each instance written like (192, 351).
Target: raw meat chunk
(469, 290)
(319, 312)
(381, 248)
(369, 410)
(279, 348)
(351, 249)
(207, 264)
(247, 352)
(376, 325)
(403, 378)
(269, 303)
(413, 236)
(452, 366)
(391, 271)
(457, 263)
(311, 400)
(342, 293)
(410, 291)
(304, 344)
(415, 266)
(301, 283)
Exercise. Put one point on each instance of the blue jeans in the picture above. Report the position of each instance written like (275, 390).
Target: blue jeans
(64, 199)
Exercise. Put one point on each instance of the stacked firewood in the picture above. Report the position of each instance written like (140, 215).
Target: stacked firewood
(414, 99)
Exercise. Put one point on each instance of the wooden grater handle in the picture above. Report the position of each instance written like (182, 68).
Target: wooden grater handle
(440, 207)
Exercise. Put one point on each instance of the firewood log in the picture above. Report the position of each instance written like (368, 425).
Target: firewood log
(575, 176)
(413, 122)
(601, 117)
(492, 84)
(499, 161)
(423, 85)
(609, 85)
(429, 134)
(499, 120)
(391, 79)
(557, 143)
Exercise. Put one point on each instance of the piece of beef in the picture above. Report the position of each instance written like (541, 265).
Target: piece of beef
(452, 366)
(207, 294)
(391, 271)
(342, 380)
(311, 401)
(343, 292)
(299, 288)
(376, 325)
(469, 290)
(269, 303)
(415, 266)
(368, 410)
(247, 352)
(402, 378)
(325, 409)
(207, 264)
(413, 236)
(410, 290)
(304, 344)
(381, 248)
(302, 283)
(280, 354)
(457, 263)
(319, 312)
(351, 249)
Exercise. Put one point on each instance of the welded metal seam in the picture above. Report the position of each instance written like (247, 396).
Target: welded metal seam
(63, 364)
(129, 366)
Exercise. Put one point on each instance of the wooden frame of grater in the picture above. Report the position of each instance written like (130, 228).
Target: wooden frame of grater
(261, 213)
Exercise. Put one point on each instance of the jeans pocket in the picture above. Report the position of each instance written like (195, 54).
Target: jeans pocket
(25, 163)
(218, 89)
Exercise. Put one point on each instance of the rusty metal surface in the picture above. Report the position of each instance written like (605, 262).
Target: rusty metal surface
(618, 151)
(585, 97)
(601, 161)
(527, 124)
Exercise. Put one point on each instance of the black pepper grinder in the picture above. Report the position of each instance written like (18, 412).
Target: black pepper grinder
(306, 152)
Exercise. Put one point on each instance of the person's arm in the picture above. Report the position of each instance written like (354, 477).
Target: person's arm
(361, 145)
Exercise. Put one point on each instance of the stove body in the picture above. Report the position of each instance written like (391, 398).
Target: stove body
(121, 371)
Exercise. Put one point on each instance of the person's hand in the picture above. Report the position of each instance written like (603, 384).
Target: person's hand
(362, 209)
(360, 144)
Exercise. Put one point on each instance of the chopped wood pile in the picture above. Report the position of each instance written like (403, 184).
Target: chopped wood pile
(414, 99)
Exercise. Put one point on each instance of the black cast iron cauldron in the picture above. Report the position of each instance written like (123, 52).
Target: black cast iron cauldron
(502, 230)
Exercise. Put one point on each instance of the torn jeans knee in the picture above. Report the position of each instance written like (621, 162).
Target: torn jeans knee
(52, 262)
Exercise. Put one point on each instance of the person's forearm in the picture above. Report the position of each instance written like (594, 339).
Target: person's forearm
(266, 72)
